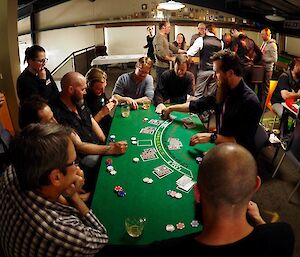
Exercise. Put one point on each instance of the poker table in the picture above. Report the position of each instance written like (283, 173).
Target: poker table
(149, 201)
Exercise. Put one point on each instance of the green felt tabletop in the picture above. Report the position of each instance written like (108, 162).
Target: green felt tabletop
(148, 200)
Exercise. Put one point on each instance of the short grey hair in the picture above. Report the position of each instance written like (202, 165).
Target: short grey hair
(37, 150)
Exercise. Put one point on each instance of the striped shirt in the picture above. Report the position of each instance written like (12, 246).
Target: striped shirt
(33, 226)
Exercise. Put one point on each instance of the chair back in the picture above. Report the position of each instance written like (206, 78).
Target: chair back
(294, 143)
(261, 138)
(273, 85)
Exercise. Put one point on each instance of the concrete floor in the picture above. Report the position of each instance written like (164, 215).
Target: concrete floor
(273, 194)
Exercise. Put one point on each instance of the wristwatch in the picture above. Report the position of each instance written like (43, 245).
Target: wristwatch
(213, 137)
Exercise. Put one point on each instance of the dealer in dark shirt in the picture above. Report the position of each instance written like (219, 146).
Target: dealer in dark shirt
(238, 110)
(175, 85)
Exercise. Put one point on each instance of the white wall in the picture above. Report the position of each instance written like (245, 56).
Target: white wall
(24, 42)
(126, 40)
(60, 43)
(292, 46)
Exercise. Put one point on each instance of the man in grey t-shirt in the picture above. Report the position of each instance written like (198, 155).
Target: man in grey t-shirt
(135, 87)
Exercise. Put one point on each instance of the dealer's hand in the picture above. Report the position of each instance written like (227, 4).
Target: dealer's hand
(200, 138)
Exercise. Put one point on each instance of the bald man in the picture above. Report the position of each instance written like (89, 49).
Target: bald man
(227, 180)
(69, 109)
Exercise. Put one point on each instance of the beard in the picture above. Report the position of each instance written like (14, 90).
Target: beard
(222, 91)
(77, 101)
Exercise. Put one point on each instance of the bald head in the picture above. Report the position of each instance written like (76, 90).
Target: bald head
(227, 175)
(73, 79)
(73, 85)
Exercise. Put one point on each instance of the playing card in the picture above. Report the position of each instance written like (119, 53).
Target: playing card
(183, 180)
(162, 171)
(155, 122)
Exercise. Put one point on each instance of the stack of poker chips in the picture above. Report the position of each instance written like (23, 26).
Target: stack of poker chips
(109, 167)
(119, 191)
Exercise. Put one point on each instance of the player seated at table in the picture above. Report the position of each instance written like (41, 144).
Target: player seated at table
(37, 110)
(70, 109)
(232, 224)
(237, 107)
(42, 213)
(96, 99)
(135, 87)
(176, 85)
(288, 86)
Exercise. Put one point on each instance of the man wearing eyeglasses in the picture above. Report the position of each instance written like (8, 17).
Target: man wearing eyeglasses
(136, 87)
(36, 78)
(42, 212)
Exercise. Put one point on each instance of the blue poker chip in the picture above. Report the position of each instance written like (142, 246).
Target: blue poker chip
(121, 193)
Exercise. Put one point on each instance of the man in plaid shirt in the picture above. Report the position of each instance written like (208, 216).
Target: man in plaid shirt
(41, 212)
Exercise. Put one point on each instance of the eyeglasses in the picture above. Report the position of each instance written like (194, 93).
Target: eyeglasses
(75, 163)
(42, 61)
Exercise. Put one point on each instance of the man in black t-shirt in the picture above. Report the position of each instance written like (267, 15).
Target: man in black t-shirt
(176, 84)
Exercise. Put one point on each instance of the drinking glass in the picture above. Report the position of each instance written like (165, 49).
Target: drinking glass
(125, 110)
(134, 226)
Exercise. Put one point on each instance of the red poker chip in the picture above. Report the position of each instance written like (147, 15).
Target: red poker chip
(118, 188)
(180, 225)
(108, 162)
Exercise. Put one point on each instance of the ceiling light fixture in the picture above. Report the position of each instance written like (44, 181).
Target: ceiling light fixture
(274, 16)
(171, 6)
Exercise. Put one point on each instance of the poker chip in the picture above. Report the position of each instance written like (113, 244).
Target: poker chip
(113, 172)
(133, 138)
(199, 159)
(134, 142)
(108, 162)
(135, 159)
(170, 228)
(173, 193)
(121, 193)
(169, 192)
(118, 188)
(178, 195)
(109, 168)
(194, 223)
(180, 225)
(145, 119)
(148, 180)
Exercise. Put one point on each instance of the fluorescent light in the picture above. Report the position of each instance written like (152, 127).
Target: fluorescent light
(170, 6)
(274, 17)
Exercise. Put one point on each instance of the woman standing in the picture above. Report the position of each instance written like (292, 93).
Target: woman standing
(149, 45)
(36, 78)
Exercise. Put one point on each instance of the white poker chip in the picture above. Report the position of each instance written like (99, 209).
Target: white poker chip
(133, 138)
(146, 119)
(178, 195)
(110, 168)
(170, 228)
(134, 142)
(135, 159)
(150, 181)
(146, 180)
(113, 172)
